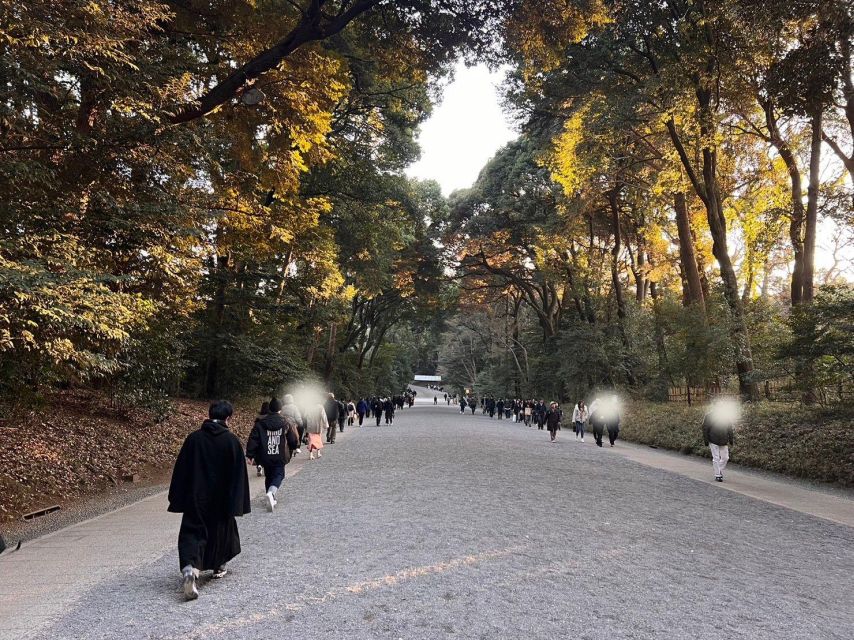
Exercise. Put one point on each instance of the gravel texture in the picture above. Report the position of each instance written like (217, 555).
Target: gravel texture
(449, 526)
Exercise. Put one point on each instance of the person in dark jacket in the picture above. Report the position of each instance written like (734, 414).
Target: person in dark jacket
(377, 407)
(210, 487)
(612, 424)
(718, 434)
(265, 409)
(342, 416)
(270, 444)
(388, 408)
(331, 406)
(553, 417)
(361, 410)
(462, 405)
(500, 408)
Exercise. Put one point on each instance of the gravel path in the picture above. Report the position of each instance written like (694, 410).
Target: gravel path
(449, 526)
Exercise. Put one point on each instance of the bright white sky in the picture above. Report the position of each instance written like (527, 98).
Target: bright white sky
(468, 127)
(464, 131)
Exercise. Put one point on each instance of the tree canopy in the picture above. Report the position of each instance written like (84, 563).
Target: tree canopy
(209, 197)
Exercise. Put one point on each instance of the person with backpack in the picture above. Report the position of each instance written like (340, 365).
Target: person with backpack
(270, 443)
(388, 407)
(210, 487)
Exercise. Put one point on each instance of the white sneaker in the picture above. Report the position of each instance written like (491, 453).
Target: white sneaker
(297, 452)
(319, 455)
(219, 573)
(582, 439)
(271, 502)
(190, 590)
(311, 456)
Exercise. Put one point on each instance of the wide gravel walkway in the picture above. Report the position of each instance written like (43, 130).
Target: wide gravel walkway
(444, 526)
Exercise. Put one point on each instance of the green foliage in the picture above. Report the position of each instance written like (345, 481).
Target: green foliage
(822, 340)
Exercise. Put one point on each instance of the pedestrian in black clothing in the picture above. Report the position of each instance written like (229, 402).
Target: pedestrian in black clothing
(331, 408)
(553, 420)
(388, 407)
(271, 442)
(377, 407)
(342, 416)
(210, 487)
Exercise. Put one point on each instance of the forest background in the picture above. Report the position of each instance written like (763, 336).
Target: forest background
(208, 199)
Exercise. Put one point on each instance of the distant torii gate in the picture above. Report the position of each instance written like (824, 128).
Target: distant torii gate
(420, 378)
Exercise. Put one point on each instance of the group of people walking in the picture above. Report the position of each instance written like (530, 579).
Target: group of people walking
(602, 416)
(210, 483)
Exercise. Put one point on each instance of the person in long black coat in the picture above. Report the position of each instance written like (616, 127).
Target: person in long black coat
(377, 407)
(553, 417)
(388, 407)
(210, 487)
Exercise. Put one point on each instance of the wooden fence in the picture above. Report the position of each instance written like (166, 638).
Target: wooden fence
(781, 389)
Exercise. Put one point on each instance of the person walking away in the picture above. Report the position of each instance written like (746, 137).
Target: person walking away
(553, 420)
(290, 410)
(210, 487)
(435, 400)
(265, 409)
(331, 406)
(579, 417)
(270, 443)
(472, 404)
(351, 414)
(377, 406)
(362, 409)
(342, 415)
(388, 407)
(718, 435)
(317, 424)
(462, 405)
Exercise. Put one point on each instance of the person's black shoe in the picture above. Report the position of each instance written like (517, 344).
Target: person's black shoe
(719, 478)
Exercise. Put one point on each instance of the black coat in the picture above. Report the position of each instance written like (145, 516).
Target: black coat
(716, 433)
(331, 407)
(272, 439)
(553, 417)
(209, 479)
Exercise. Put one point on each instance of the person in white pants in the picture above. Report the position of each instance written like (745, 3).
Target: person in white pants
(718, 436)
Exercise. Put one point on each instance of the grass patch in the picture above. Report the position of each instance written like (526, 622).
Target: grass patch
(803, 442)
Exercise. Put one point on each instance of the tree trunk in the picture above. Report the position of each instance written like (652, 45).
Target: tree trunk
(797, 216)
(688, 255)
(708, 190)
(812, 208)
(218, 308)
